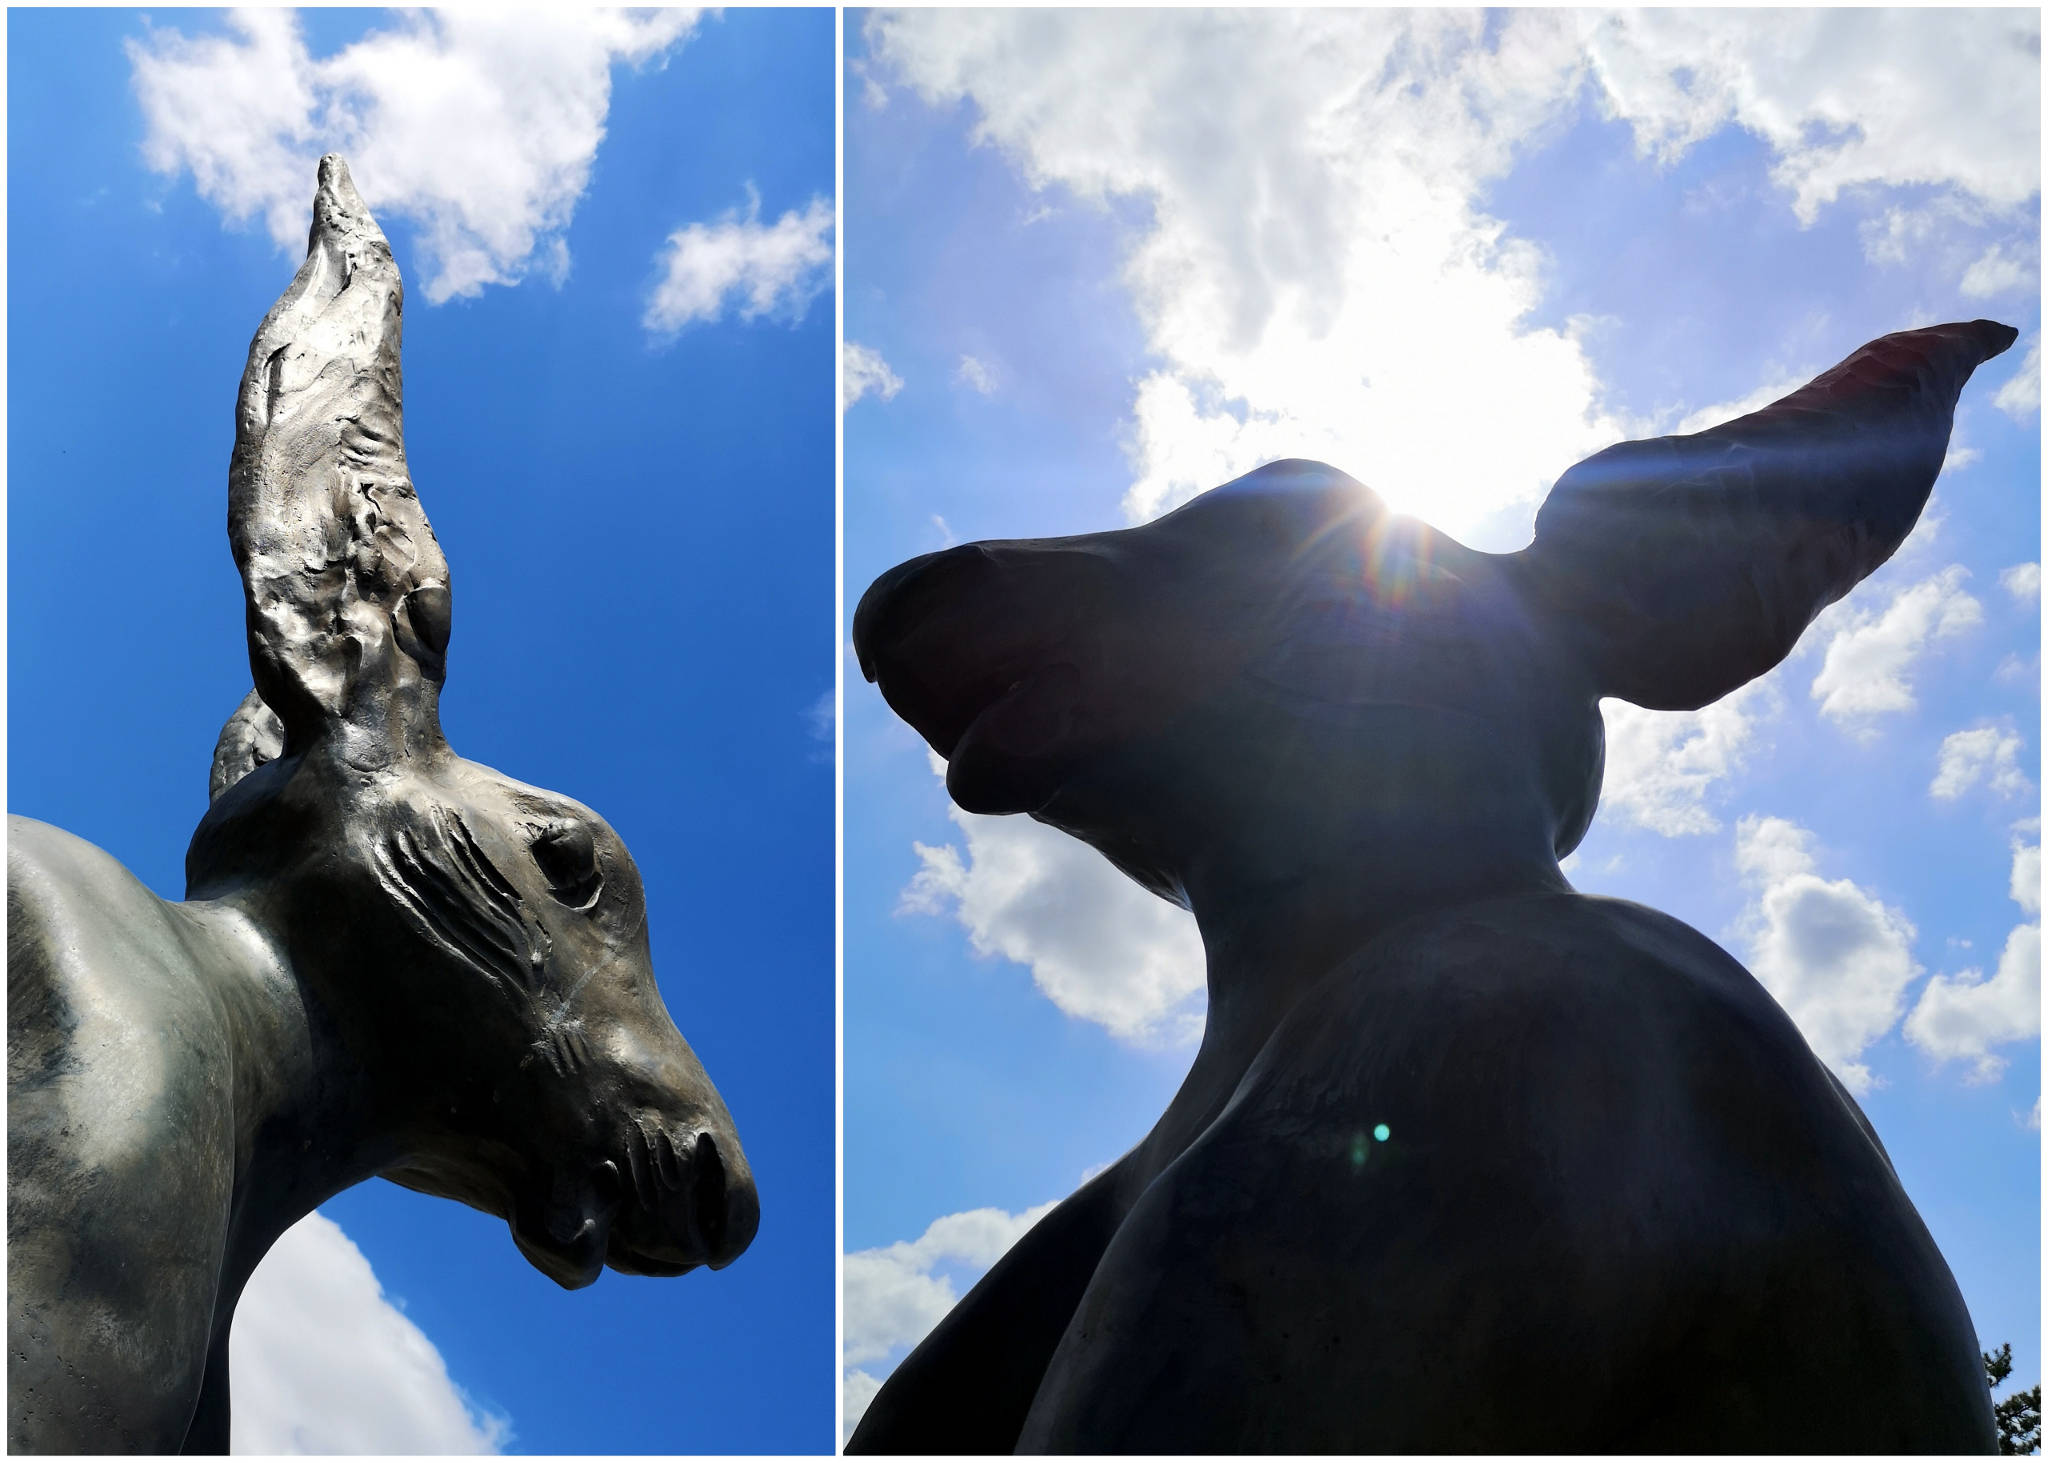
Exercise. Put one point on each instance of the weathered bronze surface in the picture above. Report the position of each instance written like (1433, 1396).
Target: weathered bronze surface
(390, 961)
(1466, 1161)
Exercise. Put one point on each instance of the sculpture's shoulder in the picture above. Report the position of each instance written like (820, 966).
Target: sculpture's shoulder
(55, 879)
(114, 1038)
(117, 1197)
(1584, 946)
(1570, 1020)
(1546, 1174)
(83, 936)
(109, 995)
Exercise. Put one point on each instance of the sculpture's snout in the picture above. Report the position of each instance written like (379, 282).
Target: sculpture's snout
(910, 596)
(950, 635)
(691, 1202)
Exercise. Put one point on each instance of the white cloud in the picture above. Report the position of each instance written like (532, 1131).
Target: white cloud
(863, 372)
(1844, 98)
(1661, 765)
(1997, 272)
(2025, 885)
(975, 374)
(1984, 754)
(821, 720)
(1835, 957)
(1316, 279)
(2022, 581)
(1867, 671)
(1988, 252)
(860, 1387)
(2020, 397)
(1961, 1017)
(1316, 275)
(321, 1362)
(1943, 228)
(738, 262)
(478, 126)
(895, 1294)
(1099, 947)
(1889, 237)
(2017, 670)
(873, 93)
(822, 716)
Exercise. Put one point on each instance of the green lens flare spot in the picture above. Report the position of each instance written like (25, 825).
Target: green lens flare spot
(1358, 1150)
(1382, 1132)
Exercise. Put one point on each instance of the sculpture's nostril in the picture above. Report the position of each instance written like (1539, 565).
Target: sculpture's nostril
(707, 1193)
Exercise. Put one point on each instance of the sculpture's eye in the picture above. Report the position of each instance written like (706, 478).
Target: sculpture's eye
(568, 860)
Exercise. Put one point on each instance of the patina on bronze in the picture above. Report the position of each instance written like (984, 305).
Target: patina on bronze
(390, 961)
(1466, 1162)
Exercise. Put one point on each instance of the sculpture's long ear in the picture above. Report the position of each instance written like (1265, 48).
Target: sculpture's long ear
(348, 605)
(1681, 567)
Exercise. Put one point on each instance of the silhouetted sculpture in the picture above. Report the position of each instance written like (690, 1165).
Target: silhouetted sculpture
(391, 961)
(1466, 1161)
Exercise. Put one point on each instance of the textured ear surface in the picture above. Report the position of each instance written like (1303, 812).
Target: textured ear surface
(1680, 567)
(347, 590)
(252, 736)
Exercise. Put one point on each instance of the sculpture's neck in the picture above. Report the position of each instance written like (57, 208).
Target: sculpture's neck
(1268, 938)
(304, 1120)
(1273, 928)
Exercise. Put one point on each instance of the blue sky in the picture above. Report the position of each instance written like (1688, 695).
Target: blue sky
(1097, 262)
(619, 373)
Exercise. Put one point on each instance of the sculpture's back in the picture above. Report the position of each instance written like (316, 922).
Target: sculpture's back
(1466, 1161)
(391, 960)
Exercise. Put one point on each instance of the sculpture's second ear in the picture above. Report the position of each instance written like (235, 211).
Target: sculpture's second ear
(252, 736)
(1681, 567)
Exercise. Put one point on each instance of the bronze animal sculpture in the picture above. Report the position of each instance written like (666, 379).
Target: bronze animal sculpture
(391, 961)
(1466, 1161)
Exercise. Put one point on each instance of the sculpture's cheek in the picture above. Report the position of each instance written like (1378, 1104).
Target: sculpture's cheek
(1013, 756)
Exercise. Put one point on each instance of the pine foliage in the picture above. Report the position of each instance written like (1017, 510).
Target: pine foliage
(2018, 1416)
